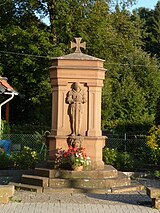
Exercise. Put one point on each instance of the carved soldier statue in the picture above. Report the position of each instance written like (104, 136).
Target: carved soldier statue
(75, 98)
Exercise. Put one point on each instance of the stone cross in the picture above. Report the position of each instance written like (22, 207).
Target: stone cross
(78, 45)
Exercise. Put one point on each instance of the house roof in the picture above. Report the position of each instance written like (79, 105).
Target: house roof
(6, 87)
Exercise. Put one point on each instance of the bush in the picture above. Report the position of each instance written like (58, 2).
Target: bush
(120, 160)
(157, 174)
(110, 156)
(124, 162)
(153, 143)
(26, 159)
(5, 128)
(5, 161)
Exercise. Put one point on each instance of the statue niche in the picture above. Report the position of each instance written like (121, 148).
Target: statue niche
(75, 99)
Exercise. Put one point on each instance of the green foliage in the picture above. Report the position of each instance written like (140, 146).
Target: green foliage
(153, 142)
(124, 162)
(121, 161)
(127, 97)
(157, 116)
(5, 161)
(5, 127)
(153, 138)
(131, 87)
(25, 128)
(26, 34)
(110, 156)
(42, 140)
(151, 29)
(157, 174)
(26, 159)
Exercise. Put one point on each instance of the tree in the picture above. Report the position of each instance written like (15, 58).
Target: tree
(28, 74)
(127, 94)
(150, 28)
(131, 86)
(155, 37)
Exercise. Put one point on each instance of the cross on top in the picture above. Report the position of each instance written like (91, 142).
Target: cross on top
(78, 45)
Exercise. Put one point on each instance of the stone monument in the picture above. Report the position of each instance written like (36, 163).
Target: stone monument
(77, 81)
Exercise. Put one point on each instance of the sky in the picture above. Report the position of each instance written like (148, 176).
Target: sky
(146, 3)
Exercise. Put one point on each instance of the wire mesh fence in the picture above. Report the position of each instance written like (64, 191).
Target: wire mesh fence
(126, 145)
(29, 140)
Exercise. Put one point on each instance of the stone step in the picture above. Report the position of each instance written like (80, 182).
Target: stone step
(44, 172)
(74, 191)
(116, 190)
(124, 189)
(35, 180)
(60, 183)
(28, 187)
(121, 180)
(62, 190)
(108, 172)
(153, 192)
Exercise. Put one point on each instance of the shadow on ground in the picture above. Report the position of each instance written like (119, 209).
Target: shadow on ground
(138, 198)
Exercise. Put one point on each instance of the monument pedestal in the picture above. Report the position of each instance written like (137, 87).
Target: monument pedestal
(100, 181)
(94, 146)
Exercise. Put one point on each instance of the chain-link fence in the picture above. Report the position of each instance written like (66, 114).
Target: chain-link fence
(30, 140)
(126, 143)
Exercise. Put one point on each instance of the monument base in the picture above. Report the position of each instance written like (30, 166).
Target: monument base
(46, 179)
(93, 146)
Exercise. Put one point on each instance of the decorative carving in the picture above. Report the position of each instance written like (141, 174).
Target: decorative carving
(75, 99)
(75, 141)
(78, 45)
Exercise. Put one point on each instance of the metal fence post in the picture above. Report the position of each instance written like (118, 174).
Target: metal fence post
(125, 141)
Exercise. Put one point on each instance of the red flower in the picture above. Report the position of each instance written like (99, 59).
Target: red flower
(65, 155)
(74, 149)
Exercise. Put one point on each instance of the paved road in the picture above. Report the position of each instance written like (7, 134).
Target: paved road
(64, 202)
(73, 208)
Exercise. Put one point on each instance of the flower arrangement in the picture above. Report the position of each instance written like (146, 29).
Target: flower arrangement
(72, 158)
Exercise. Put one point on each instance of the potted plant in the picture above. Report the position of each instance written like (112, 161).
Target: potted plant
(72, 159)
